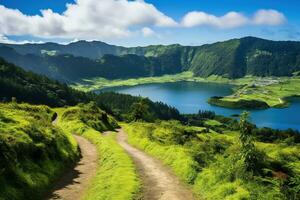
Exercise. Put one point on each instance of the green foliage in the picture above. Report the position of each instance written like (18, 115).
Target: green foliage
(15, 83)
(209, 162)
(23, 86)
(139, 110)
(116, 177)
(178, 158)
(232, 59)
(91, 115)
(33, 152)
(241, 103)
(121, 106)
(288, 136)
(249, 153)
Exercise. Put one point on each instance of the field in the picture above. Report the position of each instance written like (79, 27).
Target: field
(275, 92)
(88, 85)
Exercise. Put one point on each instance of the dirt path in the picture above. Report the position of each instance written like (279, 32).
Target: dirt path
(158, 180)
(72, 185)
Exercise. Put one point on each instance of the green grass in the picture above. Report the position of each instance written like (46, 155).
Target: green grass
(275, 95)
(212, 122)
(33, 152)
(116, 177)
(210, 162)
(88, 85)
(178, 158)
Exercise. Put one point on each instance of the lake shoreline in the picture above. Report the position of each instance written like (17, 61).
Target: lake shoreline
(260, 92)
(190, 97)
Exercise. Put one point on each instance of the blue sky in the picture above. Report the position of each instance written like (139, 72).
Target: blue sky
(130, 23)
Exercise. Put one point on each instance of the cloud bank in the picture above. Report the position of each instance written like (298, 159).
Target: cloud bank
(85, 19)
(101, 19)
(233, 19)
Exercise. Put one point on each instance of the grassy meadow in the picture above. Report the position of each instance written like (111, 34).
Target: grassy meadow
(211, 161)
(88, 85)
(274, 94)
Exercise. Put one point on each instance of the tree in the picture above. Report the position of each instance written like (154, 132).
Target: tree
(139, 110)
(248, 152)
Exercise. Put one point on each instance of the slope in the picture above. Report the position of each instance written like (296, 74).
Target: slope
(232, 59)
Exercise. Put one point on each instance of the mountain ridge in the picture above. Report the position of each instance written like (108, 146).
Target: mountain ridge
(233, 58)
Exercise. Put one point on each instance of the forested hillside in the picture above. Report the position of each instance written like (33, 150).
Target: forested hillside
(19, 85)
(32, 88)
(67, 67)
(233, 59)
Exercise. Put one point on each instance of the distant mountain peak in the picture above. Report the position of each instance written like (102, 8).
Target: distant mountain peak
(79, 42)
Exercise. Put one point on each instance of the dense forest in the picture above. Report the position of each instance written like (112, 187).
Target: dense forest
(123, 107)
(233, 59)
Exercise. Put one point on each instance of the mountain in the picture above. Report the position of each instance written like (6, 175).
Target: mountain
(67, 67)
(92, 50)
(233, 59)
(247, 56)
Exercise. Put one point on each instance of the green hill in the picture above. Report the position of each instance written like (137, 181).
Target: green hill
(233, 59)
(32, 88)
(33, 152)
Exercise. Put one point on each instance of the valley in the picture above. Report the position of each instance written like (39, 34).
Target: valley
(159, 137)
(149, 100)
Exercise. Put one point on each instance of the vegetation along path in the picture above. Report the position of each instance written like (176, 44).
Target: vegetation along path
(158, 181)
(72, 185)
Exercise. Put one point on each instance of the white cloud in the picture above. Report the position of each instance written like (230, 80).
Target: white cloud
(233, 19)
(230, 20)
(268, 17)
(103, 19)
(147, 32)
(85, 19)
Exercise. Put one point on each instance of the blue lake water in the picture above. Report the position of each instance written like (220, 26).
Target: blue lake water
(190, 97)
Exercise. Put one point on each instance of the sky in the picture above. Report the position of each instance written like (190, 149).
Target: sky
(145, 22)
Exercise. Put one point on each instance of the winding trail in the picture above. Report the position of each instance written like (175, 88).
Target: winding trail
(159, 183)
(73, 184)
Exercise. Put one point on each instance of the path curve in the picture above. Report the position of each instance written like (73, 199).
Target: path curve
(159, 183)
(73, 184)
